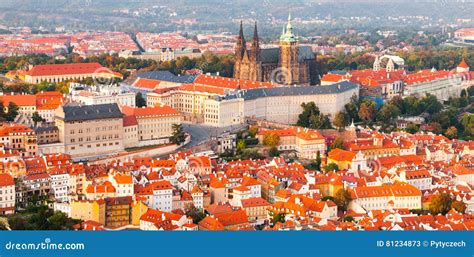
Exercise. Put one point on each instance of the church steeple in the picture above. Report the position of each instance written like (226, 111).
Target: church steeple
(241, 46)
(255, 44)
(288, 35)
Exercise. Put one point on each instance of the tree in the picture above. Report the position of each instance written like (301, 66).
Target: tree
(412, 128)
(195, 213)
(271, 139)
(451, 132)
(140, 100)
(342, 198)
(311, 117)
(331, 167)
(253, 130)
(37, 118)
(178, 136)
(436, 128)
(459, 206)
(388, 113)
(309, 110)
(352, 109)
(367, 111)
(340, 120)
(241, 145)
(273, 152)
(275, 218)
(430, 104)
(12, 112)
(440, 204)
(348, 218)
(337, 144)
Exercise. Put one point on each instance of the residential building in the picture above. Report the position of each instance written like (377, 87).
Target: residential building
(90, 131)
(385, 197)
(7, 194)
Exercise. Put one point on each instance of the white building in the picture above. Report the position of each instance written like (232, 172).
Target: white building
(7, 194)
(107, 94)
(162, 198)
(283, 104)
(386, 197)
(60, 185)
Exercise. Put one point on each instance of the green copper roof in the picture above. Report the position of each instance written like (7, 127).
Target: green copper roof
(287, 35)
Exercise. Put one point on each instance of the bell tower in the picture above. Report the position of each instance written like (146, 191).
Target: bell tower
(289, 53)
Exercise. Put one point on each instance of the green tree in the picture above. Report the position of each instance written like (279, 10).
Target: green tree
(340, 120)
(338, 143)
(309, 110)
(253, 130)
(342, 198)
(275, 218)
(331, 167)
(140, 100)
(440, 204)
(352, 109)
(388, 113)
(12, 112)
(430, 104)
(241, 145)
(37, 118)
(348, 218)
(195, 213)
(273, 152)
(178, 136)
(412, 128)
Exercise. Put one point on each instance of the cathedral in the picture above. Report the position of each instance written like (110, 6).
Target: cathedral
(290, 64)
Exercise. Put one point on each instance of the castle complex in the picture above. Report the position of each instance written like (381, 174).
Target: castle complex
(289, 64)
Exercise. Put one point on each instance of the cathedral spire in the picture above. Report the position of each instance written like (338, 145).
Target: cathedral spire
(255, 33)
(240, 47)
(255, 45)
(288, 35)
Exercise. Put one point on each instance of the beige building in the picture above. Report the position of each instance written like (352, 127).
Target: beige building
(189, 99)
(90, 131)
(307, 143)
(154, 123)
(219, 113)
(19, 137)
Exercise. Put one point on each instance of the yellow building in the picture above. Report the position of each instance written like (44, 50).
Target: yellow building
(89, 210)
(138, 209)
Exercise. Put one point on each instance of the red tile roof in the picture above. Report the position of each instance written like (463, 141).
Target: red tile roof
(6, 180)
(69, 69)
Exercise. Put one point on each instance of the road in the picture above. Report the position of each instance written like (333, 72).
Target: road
(200, 134)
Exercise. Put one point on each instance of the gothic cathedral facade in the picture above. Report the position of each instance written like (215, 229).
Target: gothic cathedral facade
(290, 64)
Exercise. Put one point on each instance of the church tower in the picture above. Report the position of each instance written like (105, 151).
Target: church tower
(255, 66)
(240, 51)
(376, 64)
(289, 53)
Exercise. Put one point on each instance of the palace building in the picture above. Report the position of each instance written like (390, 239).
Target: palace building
(289, 64)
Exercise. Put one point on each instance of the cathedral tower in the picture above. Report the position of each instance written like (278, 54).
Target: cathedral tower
(289, 53)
